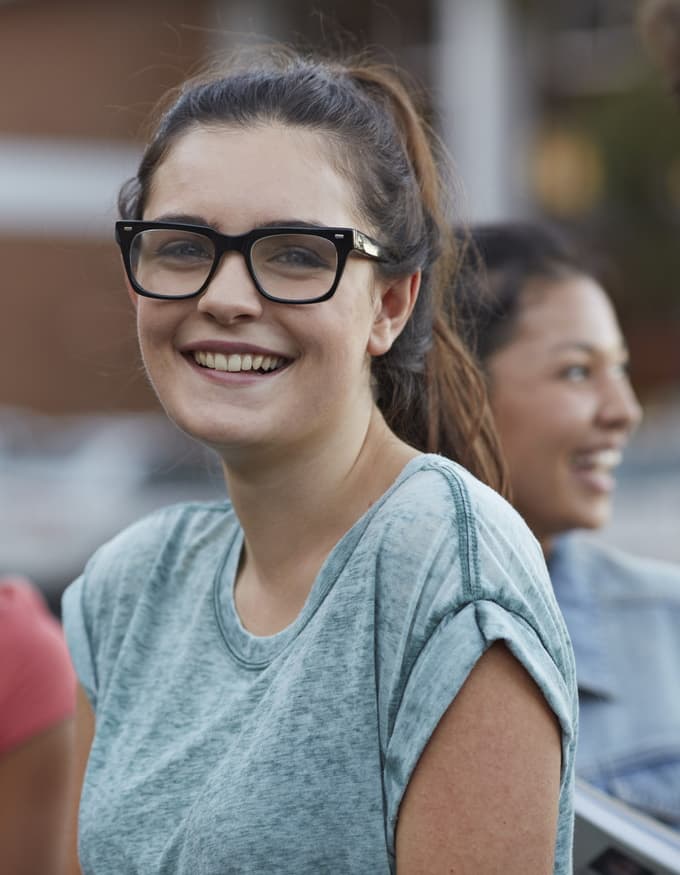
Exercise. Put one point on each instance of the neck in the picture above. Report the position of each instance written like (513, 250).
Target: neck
(546, 545)
(296, 506)
(544, 534)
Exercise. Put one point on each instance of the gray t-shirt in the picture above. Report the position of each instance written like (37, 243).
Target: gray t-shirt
(219, 752)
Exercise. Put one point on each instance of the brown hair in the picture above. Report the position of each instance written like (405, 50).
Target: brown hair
(427, 385)
(509, 256)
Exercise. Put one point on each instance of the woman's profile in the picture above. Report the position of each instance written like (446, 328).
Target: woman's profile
(556, 363)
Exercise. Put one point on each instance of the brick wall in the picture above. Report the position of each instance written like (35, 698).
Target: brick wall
(82, 72)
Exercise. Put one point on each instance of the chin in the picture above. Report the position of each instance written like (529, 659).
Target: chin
(592, 518)
(210, 432)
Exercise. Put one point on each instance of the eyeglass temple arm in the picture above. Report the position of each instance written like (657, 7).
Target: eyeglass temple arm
(364, 244)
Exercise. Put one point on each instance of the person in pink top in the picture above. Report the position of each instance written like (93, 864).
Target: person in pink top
(37, 701)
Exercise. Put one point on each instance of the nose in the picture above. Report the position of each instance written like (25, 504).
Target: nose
(231, 295)
(619, 408)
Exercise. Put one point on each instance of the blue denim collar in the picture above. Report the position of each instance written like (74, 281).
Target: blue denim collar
(574, 574)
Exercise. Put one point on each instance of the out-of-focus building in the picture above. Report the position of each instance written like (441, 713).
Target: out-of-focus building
(549, 109)
(77, 79)
(527, 96)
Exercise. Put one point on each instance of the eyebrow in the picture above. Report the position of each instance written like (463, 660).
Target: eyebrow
(582, 346)
(181, 218)
(188, 219)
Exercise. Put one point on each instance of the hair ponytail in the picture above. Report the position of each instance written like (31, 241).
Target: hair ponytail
(443, 406)
(460, 423)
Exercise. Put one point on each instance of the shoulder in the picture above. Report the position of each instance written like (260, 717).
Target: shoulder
(175, 523)
(617, 575)
(145, 566)
(28, 630)
(137, 578)
(160, 539)
(451, 551)
(37, 683)
(446, 518)
(457, 570)
(437, 490)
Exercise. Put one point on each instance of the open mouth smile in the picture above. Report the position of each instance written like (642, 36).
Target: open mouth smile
(602, 461)
(234, 362)
(595, 469)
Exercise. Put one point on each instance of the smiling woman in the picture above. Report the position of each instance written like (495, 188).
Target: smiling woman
(556, 363)
(338, 663)
(565, 373)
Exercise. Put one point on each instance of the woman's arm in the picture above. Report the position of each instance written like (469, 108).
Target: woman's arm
(484, 795)
(34, 800)
(84, 733)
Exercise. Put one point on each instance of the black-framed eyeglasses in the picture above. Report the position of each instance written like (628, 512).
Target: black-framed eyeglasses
(291, 265)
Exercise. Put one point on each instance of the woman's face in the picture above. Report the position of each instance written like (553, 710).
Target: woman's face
(563, 404)
(235, 180)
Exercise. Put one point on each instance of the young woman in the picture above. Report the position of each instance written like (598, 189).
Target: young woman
(556, 364)
(356, 664)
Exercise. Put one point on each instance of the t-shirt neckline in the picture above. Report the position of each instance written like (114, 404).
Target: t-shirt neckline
(257, 651)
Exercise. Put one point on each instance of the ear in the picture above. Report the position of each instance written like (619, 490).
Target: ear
(394, 304)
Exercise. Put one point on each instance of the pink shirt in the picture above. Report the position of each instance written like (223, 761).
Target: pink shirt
(37, 681)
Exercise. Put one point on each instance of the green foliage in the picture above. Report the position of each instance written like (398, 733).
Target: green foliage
(637, 223)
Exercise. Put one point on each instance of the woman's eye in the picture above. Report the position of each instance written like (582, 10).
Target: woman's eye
(575, 373)
(298, 257)
(183, 250)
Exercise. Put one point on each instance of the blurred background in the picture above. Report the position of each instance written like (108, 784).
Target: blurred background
(550, 109)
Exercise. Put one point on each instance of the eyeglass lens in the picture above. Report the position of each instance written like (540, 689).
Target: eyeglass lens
(293, 267)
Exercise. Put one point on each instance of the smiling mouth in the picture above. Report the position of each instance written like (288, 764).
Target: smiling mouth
(234, 363)
(598, 461)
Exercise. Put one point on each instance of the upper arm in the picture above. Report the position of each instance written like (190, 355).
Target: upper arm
(84, 733)
(484, 794)
(34, 796)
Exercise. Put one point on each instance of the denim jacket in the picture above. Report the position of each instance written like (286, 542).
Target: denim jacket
(623, 615)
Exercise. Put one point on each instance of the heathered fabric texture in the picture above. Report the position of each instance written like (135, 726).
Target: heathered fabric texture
(220, 752)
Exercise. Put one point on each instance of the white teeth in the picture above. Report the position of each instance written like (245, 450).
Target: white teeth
(604, 459)
(235, 362)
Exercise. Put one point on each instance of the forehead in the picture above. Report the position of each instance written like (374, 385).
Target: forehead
(572, 310)
(236, 178)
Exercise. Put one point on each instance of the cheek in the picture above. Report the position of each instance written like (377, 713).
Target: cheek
(146, 337)
(156, 322)
(514, 417)
(156, 328)
(533, 433)
(340, 338)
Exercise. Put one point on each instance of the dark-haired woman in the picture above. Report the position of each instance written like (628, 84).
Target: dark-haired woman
(556, 364)
(356, 664)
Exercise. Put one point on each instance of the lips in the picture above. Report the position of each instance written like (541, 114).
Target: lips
(594, 468)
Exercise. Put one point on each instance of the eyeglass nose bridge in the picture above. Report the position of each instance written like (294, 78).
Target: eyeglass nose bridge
(224, 243)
